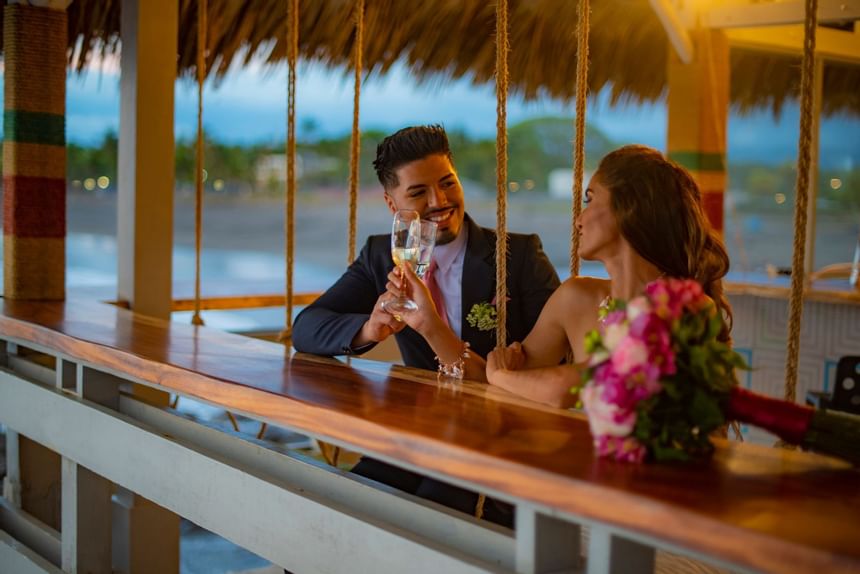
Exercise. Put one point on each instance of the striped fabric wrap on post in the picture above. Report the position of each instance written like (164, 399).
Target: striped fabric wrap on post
(34, 153)
(698, 107)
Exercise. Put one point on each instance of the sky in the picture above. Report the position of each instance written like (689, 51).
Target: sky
(249, 106)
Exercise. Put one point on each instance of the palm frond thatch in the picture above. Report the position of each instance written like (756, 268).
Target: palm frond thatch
(454, 39)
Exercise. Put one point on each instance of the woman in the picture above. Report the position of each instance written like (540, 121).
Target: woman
(643, 220)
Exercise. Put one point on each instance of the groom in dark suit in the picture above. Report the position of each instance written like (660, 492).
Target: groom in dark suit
(415, 168)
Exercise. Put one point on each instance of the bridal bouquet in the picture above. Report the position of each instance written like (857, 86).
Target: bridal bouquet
(659, 382)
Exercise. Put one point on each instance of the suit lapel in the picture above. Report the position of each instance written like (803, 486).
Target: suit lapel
(479, 283)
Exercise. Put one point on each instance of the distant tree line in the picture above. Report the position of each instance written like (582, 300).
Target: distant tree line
(536, 147)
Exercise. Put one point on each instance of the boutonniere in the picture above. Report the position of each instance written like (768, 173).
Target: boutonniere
(484, 316)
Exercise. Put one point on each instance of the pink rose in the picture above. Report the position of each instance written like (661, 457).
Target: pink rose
(625, 450)
(613, 333)
(606, 418)
(657, 336)
(629, 354)
(638, 306)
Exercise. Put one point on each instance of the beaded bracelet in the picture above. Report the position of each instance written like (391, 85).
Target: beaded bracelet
(455, 370)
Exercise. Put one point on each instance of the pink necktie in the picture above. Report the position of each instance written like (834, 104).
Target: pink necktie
(435, 292)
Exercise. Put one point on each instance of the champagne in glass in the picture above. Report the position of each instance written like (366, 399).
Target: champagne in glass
(405, 244)
(425, 247)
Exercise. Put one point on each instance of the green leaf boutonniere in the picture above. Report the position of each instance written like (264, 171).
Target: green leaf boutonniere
(483, 316)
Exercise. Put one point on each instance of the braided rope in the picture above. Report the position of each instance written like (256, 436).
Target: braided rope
(355, 141)
(582, 28)
(502, 48)
(795, 308)
(202, 10)
(289, 208)
(479, 506)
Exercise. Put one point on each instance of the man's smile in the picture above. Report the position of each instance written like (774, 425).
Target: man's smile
(441, 216)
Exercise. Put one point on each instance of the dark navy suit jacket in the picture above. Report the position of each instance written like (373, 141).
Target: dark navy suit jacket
(327, 326)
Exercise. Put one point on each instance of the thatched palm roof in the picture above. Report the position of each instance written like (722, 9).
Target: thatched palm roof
(454, 38)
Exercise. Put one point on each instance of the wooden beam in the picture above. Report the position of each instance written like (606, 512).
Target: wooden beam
(830, 44)
(745, 14)
(675, 29)
(20, 559)
(243, 302)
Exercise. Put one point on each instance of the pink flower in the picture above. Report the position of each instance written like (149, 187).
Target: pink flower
(661, 300)
(605, 418)
(631, 450)
(614, 333)
(625, 450)
(614, 318)
(657, 335)
(629, 354)
(671, 296)
(638, 306)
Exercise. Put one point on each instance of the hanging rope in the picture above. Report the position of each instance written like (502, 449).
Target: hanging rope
(289, 208)
(502, 47)
(355, 141)
(798, 275)
(202, 10)
(582, 28)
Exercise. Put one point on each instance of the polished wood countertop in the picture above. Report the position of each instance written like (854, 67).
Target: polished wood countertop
(767, 509)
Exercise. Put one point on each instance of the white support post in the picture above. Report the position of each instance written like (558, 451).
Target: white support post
(149, 34)
(146, 154)
(66, 373)
(610, 553)
(12, 480)
(86, 496)
(545, 543)
(86, 520)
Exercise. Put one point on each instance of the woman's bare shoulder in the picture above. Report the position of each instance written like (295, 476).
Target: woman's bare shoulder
(583, 292)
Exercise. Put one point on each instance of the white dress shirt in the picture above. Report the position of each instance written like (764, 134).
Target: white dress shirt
(449, 277)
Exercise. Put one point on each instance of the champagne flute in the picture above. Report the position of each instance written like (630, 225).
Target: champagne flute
(405, 247)
(425, 248)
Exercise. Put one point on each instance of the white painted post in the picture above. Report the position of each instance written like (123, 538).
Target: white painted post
(85, 520)
(545, 543)
(86, 496)
(12, 480)
(66, 373)
(610, 553)
(148, 31)
(148, 533)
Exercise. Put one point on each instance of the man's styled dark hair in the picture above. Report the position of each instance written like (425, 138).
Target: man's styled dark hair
(407, 145)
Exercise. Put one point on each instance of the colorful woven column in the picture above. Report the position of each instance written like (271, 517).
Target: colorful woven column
(698, 116)
(34, 153)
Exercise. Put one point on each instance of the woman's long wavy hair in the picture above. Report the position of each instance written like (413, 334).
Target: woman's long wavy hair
(658, 209)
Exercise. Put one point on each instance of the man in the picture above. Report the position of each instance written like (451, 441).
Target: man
(416, 171)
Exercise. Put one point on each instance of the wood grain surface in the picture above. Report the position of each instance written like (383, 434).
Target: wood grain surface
(768, 509)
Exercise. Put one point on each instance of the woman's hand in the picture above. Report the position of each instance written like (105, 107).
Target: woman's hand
(510, 358)
(403, 280)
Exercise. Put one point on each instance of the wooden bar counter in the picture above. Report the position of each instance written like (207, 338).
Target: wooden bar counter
(763, 509)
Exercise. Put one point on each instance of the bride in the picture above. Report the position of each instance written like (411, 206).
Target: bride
(643, 219)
